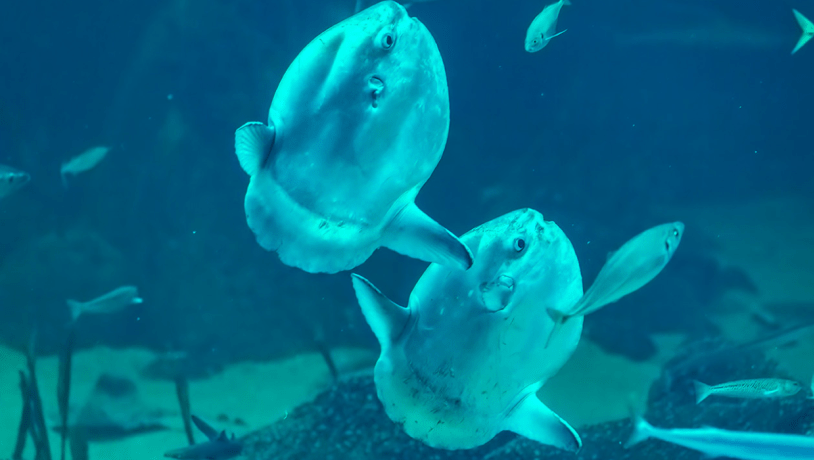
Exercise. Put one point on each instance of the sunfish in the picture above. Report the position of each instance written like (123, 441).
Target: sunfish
(464, 360)
(544, 27)
(632, 266)
(111, 302)
(218, 447)
(85, 161)
(357, 125)
(808, 30)
(11, 180)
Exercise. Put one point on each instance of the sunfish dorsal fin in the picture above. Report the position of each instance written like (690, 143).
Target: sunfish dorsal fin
(205, 428)
(414, 234)
(386, 318)
(253, 143)
(534, 420)
(808, 30)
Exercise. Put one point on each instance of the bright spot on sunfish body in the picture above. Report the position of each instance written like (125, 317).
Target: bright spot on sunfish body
(85, 161)
(326, 190)
(544, 27)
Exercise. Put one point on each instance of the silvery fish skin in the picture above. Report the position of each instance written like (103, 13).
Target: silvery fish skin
(111, 302)
(714, 442)
(11, 180)
(635, 264)
(748, 389)
(327, 190)
(83, 162)
(464, 360)
(544, 27)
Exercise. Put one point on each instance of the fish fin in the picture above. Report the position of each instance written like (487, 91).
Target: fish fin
(414, 234)
(771, 392)
(253, 144)
(641, 431)
(407, 5)
(702, 391)
(534, 420)
(557, 34)
(205, 428)
(359, 5)
(75, 308)
(566, 2)
(559, 319)
(386, 318)
(808, 30)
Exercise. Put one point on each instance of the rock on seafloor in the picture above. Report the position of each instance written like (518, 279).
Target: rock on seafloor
(347, 422)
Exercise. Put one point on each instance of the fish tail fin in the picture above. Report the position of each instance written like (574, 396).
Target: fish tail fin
(702, 391)
(808, 30)
(641, 431)
(75, 308)
(253, 144)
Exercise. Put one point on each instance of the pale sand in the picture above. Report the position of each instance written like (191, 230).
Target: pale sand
(773, 240)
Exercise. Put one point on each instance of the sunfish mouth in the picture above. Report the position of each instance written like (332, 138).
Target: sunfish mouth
(496, 295)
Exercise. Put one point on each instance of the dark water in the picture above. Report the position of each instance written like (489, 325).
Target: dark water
(640, 106)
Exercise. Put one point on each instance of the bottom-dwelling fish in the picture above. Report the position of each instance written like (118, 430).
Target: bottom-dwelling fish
(714, 442)
(748, 389)
(219, 446)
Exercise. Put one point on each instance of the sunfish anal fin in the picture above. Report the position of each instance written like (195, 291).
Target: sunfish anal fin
(414, 234)
(534, 420)
(386, 318)
(808, 30)
(253, 143)
(205, 428)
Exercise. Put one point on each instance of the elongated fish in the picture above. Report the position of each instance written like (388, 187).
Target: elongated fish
(635, 264)
(808, 30)
(748, 389)
(544, 27)
(11, 180)
(715, 442)
(111, 302)
(85, 161)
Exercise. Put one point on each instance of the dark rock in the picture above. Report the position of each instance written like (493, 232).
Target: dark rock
(347, 422)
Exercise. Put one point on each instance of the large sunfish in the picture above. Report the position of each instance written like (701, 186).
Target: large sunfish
(464, 360)
(356, 127)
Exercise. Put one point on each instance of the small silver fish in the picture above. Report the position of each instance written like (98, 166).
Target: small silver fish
(543, 27)
(714, 442)
(111, 302)
(85, 161)
(748, 389)
(11, 180)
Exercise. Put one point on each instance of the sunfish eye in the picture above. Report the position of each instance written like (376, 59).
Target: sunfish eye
(519, 244)
(675, 232)
(388, 40)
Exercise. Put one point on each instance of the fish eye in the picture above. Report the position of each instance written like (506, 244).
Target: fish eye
(675, 232)
(519, 244)
(388, 40)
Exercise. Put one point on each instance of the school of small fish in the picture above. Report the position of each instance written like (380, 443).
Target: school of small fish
(497, 312)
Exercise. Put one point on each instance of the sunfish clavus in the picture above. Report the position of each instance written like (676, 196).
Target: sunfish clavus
(356, 127)
(464, 360)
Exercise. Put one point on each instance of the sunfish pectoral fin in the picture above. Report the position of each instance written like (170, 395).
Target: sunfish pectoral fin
(808, 30)
(414, 234)
(205, 428)
(386, 318)
(534, 420)
(253, 143)
(559, 319)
